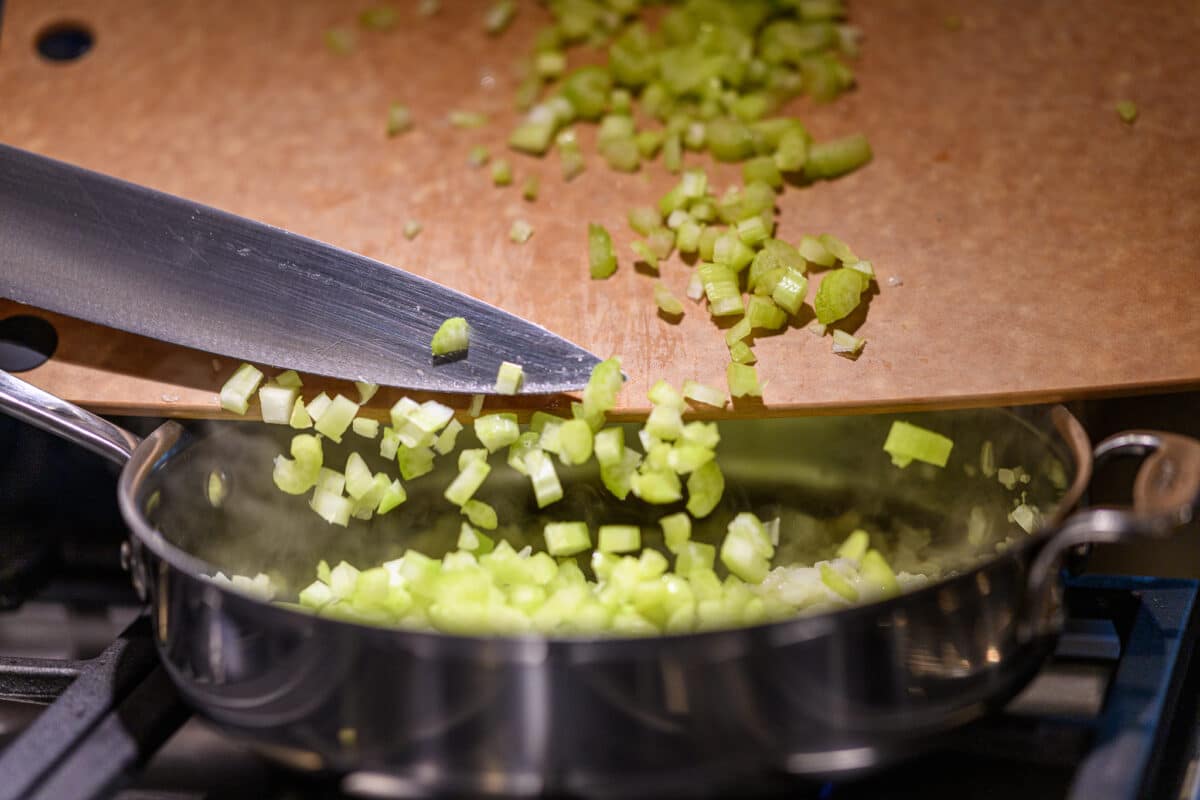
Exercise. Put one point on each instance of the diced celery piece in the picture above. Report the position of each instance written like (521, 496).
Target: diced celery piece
(299, 418)
(237, 391)
(667, 303)
(466, 119)
(743, 380)
(389, 443)
(529, 189)
(414, 461)
(337, 417)
(587, 89)
(575, 441)
(875, 571)
(276, 403)
(619, 538)
(609, 445)
(399, 119)
(762, 169)
(855, 546)
(677, 530)
(814, 252)
(705, 486)
(740, 353)
(673, 153)
(366, 391)
(839, 249)
(792, 152)
(687, 236)
(845, 344)
(412, 229)
(838, 583)
(520, 232)
(289, 378)
(615, 126)
(467, 482)
(446, 440)
(546, 486)
(707, 245)
(454, 336)
(644, 254)
(509, 378)
(661, 242)
(836, 157)
(530, 137)
(839, 294)
(497, 430)
(686, 457)
(762, 313)
(908, 442)
(601, 257)
(358, 476)
(704, 434)
(471, 454)
(729, 139)
(649, 142)
(752, 231)
(730, 251)
(566, 538)
(790, 290)
(665, 423)
(600, 393)
(618, 477)
(657, 487)
(691, 557)
(1127, 110)
(501, 172)
(331, 507)
(480, 514)
(476, 406)
(662, 393)
(431, 416)
(392, 497)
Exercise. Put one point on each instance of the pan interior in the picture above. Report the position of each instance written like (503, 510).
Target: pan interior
(822, 477)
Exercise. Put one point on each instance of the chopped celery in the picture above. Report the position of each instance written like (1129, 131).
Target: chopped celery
(528, 137)
(337, 418)
(476, 406)
(358, 476)
(339, 41)
(365, 391)
(838, 583)
(875, 571)
(836, 157)
(466, 119)
(702, 393)
(520, 232)
(289, 378)
(839, 294)
(501, 172)
(546, 486)
(705, 434)
(747, 550)
(644, 219)
(330, 480)
(237, 391)
(644, 254)
(855, 546)
(529, 189)
(481, 514)
(601, 257)
(814, 252)
(471, 454)
(729, 139)
(738, 332)
(453, 336)
(845, 344)
(609, 445)
(619, 538)
(662, 393)
(389, 443)
(566, 538)
(587, 90)
(431, 416)
(412, 229)
(708, 242)
(1127, 110)
(762, 169)
(276, 403)
(399, 119)
(743, 380)
(378, 18)
(497, 430)
(414, 461)
(667, 303)
(790, 290)
(665, 423)
(509, 378)
(615, 126)
(445, 441)
(686, 457)
(705, 487)
(729, 250)
(692, 557)
(392, 497)
(907, 442)
(575, 441)
(792, 152)
(570, 160)
(366, 428)
(648, 142)
(673, 153)
(657, 487)
(333, 508)
(300, 418)
(840, 250)
(677, 530)
(478, 156)
(661, 242)
(467, 482)
(687, 236)
(761, 312)
(753, 231)
(621, 154)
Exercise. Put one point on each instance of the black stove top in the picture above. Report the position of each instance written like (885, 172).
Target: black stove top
(86, 712)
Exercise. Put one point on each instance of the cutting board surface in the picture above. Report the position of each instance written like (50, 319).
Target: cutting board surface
(1030, 246)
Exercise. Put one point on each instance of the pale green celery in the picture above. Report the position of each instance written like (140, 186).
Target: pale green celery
(340, 41)
(520, 232)
(648, 142)
(509, 378)
(687, 236)
(729, 250)
(746, 550)
(550, 64)
(497, 430)
(570, 159)
(402, 410)
(618, 477)
(677, 530)
(845, 344)
(665, 423)
(467, 482)
(705, 434)
(840, 250)
(614, 127)
(366, 391)
(838, 583)
(453, 336)
(466, 119)
(644, 219)
(743, 380)
(621, 154)
(657, 487)
(692, 558)
(575, 441)
(529, 137)
(620, 101)
(792, 153)
(814, 252)
(337, 418)
(705, 487)
(729, 139)
(431, 416)
(855, 546)
(908, 442)
(549, 438)
(399, 119)
(762, 313)
(1027, 516)
(839, 294)
(752, 231)
(237, 391)
(695, 136)
(865, 267)
(661, 242)
(546, 487)
(677, 218)
(216, 490)
(672, 150)
(517, 450)
(501, 172)
(602, 259)
(619, 538)
(662, 393)
(790, 290)
(1127, 110)
(414, 461)
(333, 508)
(566, 538)
(708, 242)
(672, 200)
(762, 168)
(358, 476)
(685, 457)
(289, 378)
(412, 229)
(480, 514)
(702, 210)
(836, 157)
(331, 480)
(394, 496)
(529, 190)
(644, 254)
(695, 287)
(444, 444)
(667, 303)
(389, 443)
(478, 156)
(476, 406)
(276, 403)
(875, 571)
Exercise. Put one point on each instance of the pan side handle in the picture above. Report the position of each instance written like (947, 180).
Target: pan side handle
(43, 410)
(1166, 495)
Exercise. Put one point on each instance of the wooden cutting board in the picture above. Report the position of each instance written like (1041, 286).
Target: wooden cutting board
(1030, 245)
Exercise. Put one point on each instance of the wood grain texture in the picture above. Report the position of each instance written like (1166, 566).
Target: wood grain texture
(1047, 251)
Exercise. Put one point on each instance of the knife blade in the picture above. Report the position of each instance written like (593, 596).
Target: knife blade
(104, 250)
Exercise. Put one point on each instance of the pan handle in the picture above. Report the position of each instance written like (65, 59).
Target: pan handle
(1166, 495)
(43, 410)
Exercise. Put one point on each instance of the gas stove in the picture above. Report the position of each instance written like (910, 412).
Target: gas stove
(86, 711)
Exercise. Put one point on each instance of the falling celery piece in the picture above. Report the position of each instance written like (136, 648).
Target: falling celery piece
(480, 514)
(575, 441)
(566, 538)
(453, 336)
(392, 497)
(337, 418)
(532, 137)
(677, 530)
(509, 378)
(467, 482)
(497, 430)
(299, 418)
(529, 189)
(619, 538)
(907, 442)
(705, 487)
(236, 392)
(276, 403)
(546, 487)
(602, 260)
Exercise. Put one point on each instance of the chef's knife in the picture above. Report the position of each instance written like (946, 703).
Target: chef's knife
(101, 249)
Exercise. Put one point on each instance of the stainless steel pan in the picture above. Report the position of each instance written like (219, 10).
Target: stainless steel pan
(413, 713)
